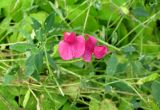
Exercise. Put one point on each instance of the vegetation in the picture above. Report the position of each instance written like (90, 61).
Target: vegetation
(33, 76)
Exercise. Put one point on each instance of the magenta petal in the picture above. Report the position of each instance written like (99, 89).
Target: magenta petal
(69, 37)
(87, 56)
(78, 47)
(90, 43)
(89, 48)
(100, 51)
(65, 50)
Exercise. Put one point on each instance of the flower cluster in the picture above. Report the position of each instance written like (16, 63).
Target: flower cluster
(73, 46)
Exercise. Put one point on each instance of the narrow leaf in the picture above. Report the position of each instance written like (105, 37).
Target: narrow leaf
(156, 91)
(35, 24)
(149, 78)
(49, 22)
(26, 98)
(112, 65)
(38, 61)
(21, 47)
(30, 65)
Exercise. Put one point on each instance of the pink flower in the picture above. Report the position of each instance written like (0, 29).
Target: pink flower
(91, 48)
(100, 51)
(72, 46)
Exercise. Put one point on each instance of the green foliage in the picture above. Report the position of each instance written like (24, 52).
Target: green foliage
(112, 65)
(155, 91)
(34, 77)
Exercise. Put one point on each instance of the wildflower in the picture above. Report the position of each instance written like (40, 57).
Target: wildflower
(91, 48)
(100, 51)
(72, 46)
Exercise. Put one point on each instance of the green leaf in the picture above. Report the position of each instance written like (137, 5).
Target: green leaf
(8, 94)
(156, 91)
(119, 2)
(31, 103)
(53, 104)
(148, 78)
(77, 20)
(45, 6)
(122, 30)
(107, 105)
(3, 106)
(5, 3)
(112, 13)
(138, 68)
(49, 22)
(124, 105)
(35, 24)
(26, 98)
(13, 69)
(129, 49)
(21, 47)
(15, 5)
(51, 62)
(112, 65)
(36, 75)
(16, 10)
(40, 34)
(94, 105)
(17, 16)
(30, 66)
(34, 65)
(154, 105)
(59, 101)
(37, 29)
(38, 61)
(26, 4)
(151, 47)
(140, 12)
(8, 78)
(10, 73)
(26, 35)
(121, 67)
(114, 37)
(122, 86)
(68, 106)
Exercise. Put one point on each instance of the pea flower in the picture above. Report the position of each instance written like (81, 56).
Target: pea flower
(91, 48)
(72, 46)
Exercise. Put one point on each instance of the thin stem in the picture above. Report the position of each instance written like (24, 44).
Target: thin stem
(141, 24)
(50, 72)
(68, 71)
(107, 44)
(87, 15)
